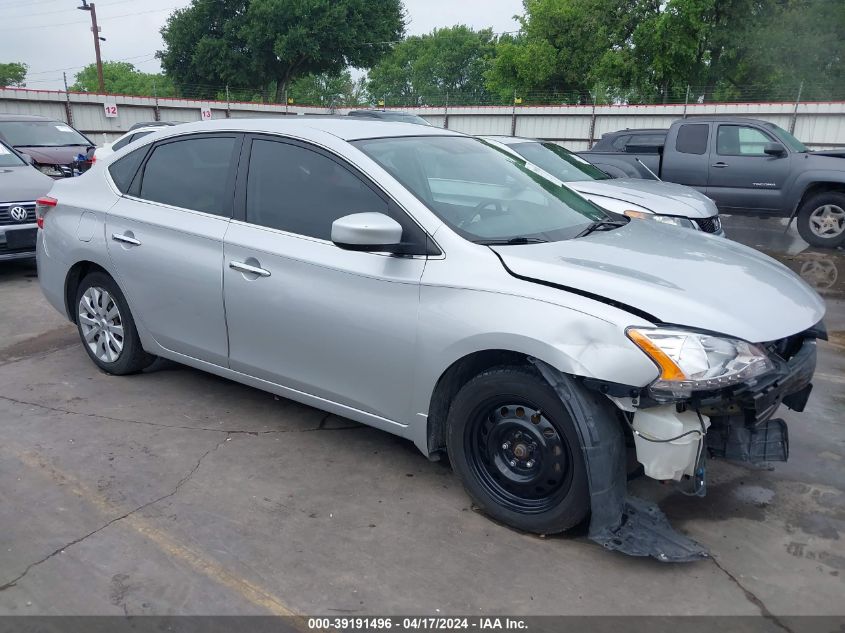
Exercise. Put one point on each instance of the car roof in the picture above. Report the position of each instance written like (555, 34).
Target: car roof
(140, 124)
(144, 128)
(346, 128)
(9, 116)
(510, 140)
(638, 130)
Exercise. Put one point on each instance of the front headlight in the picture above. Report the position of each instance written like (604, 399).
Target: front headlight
(691, 361)
(665, 219)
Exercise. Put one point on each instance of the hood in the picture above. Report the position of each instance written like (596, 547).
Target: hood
(23, 184)
(680, 277)
(835, 153)
(63, 155)
(663, 198)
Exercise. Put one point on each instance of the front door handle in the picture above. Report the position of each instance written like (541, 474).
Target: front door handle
(719, 165)
(246, 268)
(126, 239)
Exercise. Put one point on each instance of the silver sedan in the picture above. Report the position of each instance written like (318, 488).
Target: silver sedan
(422, 282)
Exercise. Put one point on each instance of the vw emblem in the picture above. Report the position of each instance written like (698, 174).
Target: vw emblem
(18, 214)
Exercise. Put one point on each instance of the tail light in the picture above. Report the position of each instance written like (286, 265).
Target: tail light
(42, 205)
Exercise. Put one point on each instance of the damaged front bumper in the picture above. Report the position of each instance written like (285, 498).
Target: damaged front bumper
(742, 426)
(733, 423)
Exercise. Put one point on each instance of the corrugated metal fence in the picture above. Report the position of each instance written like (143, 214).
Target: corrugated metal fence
(819, 125)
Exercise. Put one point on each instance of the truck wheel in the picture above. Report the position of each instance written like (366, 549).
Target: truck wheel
(821, 220)
(516, 450)
(107, 328)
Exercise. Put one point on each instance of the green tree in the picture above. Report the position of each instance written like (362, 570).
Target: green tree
(698, 43)
(13, 74)
(329, 90)
(559, 45)
(422, 69)
(799, 41)
(123, 78)
(651, 50)
(268, 43)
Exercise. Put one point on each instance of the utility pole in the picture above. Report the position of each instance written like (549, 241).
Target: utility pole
(96, 31)
(795, 110)
(68, 110)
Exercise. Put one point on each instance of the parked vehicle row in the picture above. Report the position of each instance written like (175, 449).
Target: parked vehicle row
(745, 165)
(430, 285)
(634, 197)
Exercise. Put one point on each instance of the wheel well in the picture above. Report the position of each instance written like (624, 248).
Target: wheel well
(820, 187)
(455, 377)
(74, 277)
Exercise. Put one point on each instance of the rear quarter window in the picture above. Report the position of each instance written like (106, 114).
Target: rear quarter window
(123, 171)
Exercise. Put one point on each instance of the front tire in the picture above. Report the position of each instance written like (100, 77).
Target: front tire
(821, 219)
(107, 328)
(516, 449)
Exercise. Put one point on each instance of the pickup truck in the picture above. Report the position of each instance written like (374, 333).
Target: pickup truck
(745, 166)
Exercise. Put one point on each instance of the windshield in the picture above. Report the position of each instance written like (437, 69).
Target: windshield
(559, 162)
(8, 158)
(787, 139)
(40, 134)
(481, 193)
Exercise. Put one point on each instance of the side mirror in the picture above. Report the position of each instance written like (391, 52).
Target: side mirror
(367, 232)
(27, 158)
(774, 149)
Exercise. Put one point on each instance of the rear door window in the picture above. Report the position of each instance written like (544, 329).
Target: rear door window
(192, 173)
(692, 138)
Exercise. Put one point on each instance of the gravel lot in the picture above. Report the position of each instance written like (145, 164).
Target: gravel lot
(176, 492)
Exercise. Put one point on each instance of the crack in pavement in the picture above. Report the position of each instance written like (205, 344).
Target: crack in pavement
(179, 484)
(753, 599)
(320, 426)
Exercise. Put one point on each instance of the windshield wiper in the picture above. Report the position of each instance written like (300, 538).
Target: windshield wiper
(512, 241)
(601, 225)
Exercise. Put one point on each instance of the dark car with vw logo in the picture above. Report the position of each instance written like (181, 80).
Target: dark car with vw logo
(20, 186)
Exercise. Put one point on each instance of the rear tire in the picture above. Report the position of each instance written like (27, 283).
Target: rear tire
(821, 219)
(107, 328)
(516, 449)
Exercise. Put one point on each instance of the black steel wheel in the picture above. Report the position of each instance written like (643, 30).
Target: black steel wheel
(515, 447)
(518, 455)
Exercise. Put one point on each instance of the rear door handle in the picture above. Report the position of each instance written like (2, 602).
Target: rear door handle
(719, 165)
(119, 237)
(246, 268)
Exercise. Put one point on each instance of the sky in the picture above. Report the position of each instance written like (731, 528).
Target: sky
(52, 36)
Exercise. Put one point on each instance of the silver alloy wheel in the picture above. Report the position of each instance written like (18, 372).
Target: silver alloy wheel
(828, 221)
(102, 326)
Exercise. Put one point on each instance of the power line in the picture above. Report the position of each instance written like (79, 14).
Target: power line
(32, 15)
(113, 17)
(58, 70)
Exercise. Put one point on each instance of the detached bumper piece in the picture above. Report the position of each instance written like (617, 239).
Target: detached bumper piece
(645, 531)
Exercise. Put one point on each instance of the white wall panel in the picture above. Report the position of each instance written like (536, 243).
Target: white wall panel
(817, 124)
